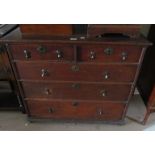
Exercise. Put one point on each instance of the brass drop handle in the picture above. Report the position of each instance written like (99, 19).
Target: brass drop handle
(108, 51)
(100, 111)
(103, 93)
(124, 56)
(59, 54)
(41, 49)
(48, 91)
(92, 55)
(75, 68)
(106, 75)
(75, 104)
(50, 110)
(27, 54)
(44, 72)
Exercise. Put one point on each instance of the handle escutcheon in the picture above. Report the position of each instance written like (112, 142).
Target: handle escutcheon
(27, 54)
(75, 103)
(41, 49)
(75, 68)
(108, 51)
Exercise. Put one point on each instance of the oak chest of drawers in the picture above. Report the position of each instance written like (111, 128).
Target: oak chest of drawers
(87, 80)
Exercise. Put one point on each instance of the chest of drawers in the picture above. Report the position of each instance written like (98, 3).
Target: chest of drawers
(91, 79)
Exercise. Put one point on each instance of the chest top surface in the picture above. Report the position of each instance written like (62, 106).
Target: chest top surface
(16, 37)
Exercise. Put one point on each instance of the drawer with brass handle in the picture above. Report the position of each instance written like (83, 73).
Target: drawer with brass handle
(76, 72)
(81, 91)
(76, 110)
(109, 54)
(42, 52)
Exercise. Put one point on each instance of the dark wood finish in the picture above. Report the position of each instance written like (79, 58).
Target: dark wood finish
(46, 29)
(76, 110)
(99, 86)
(120, 54)
(81, 91)
(50, 52)
(132, 30)
(85, 72)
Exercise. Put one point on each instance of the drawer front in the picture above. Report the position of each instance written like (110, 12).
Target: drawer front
(42, 52)
(76, 110)
(79, 91)
(109, 54)
(78, 72)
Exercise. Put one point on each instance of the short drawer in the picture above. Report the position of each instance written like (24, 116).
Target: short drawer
(109, 53)
(76, 110)
(81, 91)
(76, 72)
(42, 52)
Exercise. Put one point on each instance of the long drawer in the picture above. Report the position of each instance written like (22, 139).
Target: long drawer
(76, 72)
(85, 53)
(82, 91)
(76, 110)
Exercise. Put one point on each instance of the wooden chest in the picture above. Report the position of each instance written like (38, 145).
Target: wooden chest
(91, 79)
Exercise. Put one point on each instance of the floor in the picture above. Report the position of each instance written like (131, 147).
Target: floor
(17, 121)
